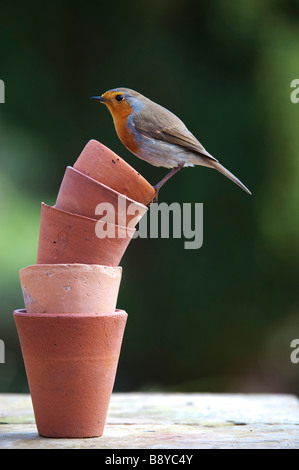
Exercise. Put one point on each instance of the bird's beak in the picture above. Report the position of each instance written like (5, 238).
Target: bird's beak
(98, 98)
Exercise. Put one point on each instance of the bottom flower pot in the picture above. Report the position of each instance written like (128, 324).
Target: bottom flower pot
(70, 362)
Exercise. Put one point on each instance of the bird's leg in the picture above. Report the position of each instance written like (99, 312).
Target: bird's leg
(159, 185)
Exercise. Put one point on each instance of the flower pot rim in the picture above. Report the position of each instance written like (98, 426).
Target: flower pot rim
(95, 221)
(99, 183)
(130, 167)
(95, 160)
(71, 266)
(21, 312)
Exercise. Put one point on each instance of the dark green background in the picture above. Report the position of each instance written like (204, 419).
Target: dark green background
(220, 318)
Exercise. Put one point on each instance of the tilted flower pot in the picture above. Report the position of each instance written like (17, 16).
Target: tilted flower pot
(82, 195)
(70, 238)
(65, 288)
(71, 363)
(103, 165)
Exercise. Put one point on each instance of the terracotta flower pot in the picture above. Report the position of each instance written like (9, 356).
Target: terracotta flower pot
(82, 195)
(69, 238)
(75, 288)
(101, 164)
(71, 363)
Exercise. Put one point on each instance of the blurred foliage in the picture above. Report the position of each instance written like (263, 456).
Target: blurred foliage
(217, 319)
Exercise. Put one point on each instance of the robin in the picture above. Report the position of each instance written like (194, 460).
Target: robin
(156, 135)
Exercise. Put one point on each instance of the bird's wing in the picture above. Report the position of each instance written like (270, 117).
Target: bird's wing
(163, 125)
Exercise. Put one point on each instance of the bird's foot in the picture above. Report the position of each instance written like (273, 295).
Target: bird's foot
(166, 178)
(156, 188)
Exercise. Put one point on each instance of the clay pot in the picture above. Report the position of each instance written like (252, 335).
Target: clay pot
(75, 288)
(82, 195)
(101, 164)
(71, 363)
(69, 238)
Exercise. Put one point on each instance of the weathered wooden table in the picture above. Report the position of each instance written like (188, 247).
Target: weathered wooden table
(169, 421)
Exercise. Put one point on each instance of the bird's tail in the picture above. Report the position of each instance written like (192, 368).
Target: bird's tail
(228, 174)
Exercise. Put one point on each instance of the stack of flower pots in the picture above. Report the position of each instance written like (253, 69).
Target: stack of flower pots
(70, 330)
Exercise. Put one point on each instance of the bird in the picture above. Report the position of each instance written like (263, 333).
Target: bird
(156, 135)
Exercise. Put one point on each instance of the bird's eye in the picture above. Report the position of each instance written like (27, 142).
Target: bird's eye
(119, 97)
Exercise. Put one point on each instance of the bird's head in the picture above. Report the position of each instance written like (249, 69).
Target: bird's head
(121, 101)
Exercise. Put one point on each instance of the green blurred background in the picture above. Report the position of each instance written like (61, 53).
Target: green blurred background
(218, 319)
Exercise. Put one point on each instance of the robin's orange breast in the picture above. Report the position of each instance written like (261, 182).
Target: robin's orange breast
(120, 117)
